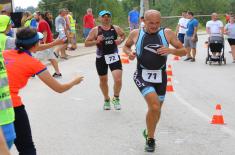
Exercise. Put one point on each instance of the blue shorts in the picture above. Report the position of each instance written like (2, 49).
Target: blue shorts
(181, 37)
(9, 134)
(86, 31)
(147, 87)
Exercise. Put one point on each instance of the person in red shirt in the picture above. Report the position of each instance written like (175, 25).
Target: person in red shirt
(48, 54)
(20, 66)
(88, 22)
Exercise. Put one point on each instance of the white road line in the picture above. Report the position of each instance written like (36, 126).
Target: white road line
(202, 115)
(76, 98)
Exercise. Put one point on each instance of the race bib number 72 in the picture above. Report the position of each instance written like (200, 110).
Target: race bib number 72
(111, 58)
(153, 76)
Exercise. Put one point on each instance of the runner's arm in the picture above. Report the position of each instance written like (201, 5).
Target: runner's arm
(129, 43)
(178, 49)
(91, 38)
(121, 34)
(46, 77)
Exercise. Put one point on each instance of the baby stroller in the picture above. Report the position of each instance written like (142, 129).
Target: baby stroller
(215, 50)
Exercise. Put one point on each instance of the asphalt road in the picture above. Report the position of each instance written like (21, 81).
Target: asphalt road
(73, 123)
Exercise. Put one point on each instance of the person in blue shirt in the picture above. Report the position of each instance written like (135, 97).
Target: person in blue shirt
(190, 39)
(133, 19)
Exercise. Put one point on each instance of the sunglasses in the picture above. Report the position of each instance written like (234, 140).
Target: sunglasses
(106, 15)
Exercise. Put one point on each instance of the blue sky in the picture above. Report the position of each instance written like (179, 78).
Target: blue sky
(26, 3)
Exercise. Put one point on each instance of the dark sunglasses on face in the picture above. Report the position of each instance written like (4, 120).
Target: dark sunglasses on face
(106, 15)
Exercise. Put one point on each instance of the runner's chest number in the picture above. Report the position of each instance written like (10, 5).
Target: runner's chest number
(153, 76)
(111, 58)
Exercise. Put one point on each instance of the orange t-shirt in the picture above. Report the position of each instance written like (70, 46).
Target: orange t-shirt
(20, 67)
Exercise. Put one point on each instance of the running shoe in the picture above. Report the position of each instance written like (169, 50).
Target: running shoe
(193, 60)
(150, 145)
(57, 75)
(150, 142)
(116, 103)
(188, 58)
(107, 105)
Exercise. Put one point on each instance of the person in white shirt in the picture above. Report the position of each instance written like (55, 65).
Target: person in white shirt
(214, 27)
(215, 30)
(230, 31)
(182, 26)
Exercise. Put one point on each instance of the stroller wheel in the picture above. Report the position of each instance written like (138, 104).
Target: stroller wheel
(206, 60)
(225, 61)
(210, 62)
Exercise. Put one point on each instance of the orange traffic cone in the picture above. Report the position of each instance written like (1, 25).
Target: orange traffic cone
(169, 87)
(176, 58)
(218, 117)
(169, 70)
(124, 58)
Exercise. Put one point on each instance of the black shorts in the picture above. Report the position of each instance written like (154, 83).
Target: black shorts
(147, 87)
(231, 41)
(102, 67)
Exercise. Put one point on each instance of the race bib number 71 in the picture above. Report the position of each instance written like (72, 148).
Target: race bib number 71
(111, 58)
(153, 76)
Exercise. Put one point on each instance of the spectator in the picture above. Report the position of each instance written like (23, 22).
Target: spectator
(215, 29)
(61, 30)
(72, 36)
(230, 31)
(133, 19)
(49, 19)
(28, 20)
(6, 109)
(182, 27)
(48, 54)
(88, 22)
(7, 11)
(190, 39)
(20, 67)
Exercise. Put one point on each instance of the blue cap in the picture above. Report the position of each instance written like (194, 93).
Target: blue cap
(104, 12)
(34, 39)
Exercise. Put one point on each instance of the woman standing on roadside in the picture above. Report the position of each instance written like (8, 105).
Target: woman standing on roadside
(20, 66)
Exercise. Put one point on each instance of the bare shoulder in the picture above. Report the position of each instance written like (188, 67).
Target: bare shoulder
(94, 29)
(134, 34)
(117, 28)
(168, 31)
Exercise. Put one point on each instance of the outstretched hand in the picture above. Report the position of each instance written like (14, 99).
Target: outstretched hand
(59, 41)
(78, 80)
